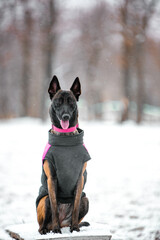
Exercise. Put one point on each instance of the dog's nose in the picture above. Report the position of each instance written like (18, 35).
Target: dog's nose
(65, 117)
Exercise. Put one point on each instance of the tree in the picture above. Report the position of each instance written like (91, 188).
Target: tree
(143, 12)
(26, 44)
(127, 44)
(49, 40)
(135, 16)
(95, 27)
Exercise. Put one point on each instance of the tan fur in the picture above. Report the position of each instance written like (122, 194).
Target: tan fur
(52, 193)
(80, 184)
(41, 211)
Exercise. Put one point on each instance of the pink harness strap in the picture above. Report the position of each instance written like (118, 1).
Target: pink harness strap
(68, 130)
(47, 147)
(85, 147)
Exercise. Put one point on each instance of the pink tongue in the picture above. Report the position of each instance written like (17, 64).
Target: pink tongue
(64, 124)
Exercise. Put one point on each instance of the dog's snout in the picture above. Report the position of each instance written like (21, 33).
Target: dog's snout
(65, 117)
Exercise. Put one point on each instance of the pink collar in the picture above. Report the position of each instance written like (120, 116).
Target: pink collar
(68, 130)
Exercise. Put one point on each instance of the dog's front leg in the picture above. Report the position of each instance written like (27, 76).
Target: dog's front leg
(52, 186)
(75, 213)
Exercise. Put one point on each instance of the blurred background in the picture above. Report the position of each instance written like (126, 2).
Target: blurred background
(112, 46)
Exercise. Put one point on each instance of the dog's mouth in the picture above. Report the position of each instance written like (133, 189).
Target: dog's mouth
(64, 124)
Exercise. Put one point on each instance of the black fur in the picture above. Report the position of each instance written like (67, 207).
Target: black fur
(76, 88)
(53, 87)
(64, 103)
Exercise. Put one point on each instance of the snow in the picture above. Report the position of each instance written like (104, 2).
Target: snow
(123, 176)
(94, 230)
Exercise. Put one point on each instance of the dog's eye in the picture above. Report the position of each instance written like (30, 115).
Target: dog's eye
(58, 102)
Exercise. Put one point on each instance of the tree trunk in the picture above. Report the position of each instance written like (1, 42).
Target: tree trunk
(139, 58)
(3, 93)
(126, 80)
(26, 52)
(48, 49)
(126, 60)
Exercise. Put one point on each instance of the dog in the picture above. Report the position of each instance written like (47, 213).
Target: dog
(61, 201)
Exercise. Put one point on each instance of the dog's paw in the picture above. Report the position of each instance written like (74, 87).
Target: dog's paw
(56, 229)
(43, 231)
(74, 228)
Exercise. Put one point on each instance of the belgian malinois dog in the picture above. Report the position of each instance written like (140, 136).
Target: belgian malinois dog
(61, 201)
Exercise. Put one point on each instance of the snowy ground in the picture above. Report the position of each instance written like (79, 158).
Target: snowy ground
(123, 176)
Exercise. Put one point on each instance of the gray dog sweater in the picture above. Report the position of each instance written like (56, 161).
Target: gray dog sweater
(66, 155)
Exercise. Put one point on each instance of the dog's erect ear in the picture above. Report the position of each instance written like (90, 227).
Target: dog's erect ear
(76, 88)
(53, 87)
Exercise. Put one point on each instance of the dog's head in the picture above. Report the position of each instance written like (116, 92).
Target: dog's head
(63, 110)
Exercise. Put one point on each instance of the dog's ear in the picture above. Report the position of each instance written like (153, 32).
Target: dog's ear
(76, 88)
(53, 87)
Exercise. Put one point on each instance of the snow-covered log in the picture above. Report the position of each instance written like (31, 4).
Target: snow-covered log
(29, 232)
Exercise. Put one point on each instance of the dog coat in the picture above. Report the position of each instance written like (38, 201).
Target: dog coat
(66, 155)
